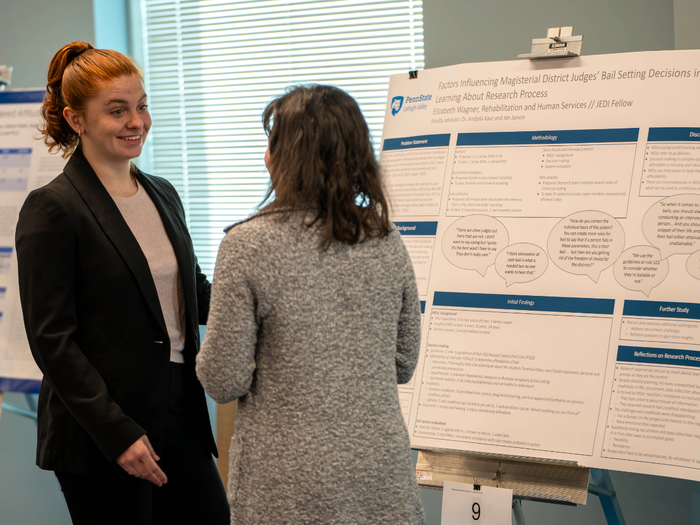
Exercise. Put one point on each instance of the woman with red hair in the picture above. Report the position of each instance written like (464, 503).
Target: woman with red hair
(113, 298)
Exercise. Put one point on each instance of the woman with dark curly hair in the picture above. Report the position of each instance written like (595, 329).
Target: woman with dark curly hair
(113, 297)
(314, 320)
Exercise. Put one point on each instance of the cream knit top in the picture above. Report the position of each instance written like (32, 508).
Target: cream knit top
(145, 223)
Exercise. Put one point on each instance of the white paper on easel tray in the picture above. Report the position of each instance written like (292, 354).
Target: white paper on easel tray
(461, 504)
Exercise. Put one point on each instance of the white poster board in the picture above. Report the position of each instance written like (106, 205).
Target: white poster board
(25, 164)
(552, 212)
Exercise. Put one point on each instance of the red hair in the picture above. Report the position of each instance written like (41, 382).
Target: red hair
(76, 72)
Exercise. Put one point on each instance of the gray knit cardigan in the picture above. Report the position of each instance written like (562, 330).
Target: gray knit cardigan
(312, 343)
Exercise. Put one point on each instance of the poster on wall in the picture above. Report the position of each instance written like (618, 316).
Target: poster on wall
(552, 212)
(25, 164)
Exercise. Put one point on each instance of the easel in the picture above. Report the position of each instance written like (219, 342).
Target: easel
(560, 482)
(546, 481)
(31, 402)
(28, 388)
(549, 481)
(5, 75)
(603, 488)
(560, 43)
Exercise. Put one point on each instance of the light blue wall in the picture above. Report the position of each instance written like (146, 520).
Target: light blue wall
(456, 31)
(111, 25)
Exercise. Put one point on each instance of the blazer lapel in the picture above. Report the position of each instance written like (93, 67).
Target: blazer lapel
(110, 219)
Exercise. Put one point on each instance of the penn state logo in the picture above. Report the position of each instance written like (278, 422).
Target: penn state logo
(396, 104)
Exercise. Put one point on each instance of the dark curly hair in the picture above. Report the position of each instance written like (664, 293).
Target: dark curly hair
(75, 74)
(321, 162)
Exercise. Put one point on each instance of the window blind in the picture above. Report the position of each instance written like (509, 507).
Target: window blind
(212, 66)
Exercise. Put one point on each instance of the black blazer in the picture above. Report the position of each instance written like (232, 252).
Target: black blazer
(95, 324)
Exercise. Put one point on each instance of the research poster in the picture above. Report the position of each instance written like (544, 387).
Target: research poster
(25, 164)
(551, 209)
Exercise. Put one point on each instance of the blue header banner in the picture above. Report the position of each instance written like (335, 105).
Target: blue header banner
(531, 303)
(658, 356)
(27, 386)
(530, 138)
(661, 309)
(421, 141)
(21, 97)
(674, 134)
(16, 151)
(416, 228)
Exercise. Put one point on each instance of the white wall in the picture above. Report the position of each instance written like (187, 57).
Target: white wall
(31, 31)
(686, 16)
(461, 31)
(28, 495)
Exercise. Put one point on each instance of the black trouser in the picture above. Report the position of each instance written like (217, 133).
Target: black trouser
(193, 495)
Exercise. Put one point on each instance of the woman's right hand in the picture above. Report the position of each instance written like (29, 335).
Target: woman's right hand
(140, 460)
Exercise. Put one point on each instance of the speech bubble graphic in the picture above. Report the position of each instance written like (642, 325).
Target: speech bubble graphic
(673, 224)
(472, 242)
(640, 269)
(586, 243)
(693, 265)
(521, 263)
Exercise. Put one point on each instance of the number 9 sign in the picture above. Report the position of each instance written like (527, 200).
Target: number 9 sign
(462, 504)
(476, 511)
